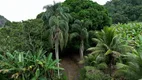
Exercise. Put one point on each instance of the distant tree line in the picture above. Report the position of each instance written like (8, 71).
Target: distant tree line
(123, 11)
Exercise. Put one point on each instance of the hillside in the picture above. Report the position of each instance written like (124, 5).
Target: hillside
(123, 11)
(3, 20)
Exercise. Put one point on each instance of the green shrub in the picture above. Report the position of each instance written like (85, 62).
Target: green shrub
(92, 73)
(28, 66)
(132, 68)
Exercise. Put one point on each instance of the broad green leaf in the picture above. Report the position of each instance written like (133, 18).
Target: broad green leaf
(108, 52)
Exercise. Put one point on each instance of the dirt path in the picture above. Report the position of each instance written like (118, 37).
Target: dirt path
(71, 66)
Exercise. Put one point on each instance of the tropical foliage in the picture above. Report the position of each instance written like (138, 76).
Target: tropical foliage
(58, 19)
(89, 10)
(92, 73)
(25, 36)
(130, 32)
(131, 68)
(124, 11)
(79, 29)
(114, 53)
(108, 49)
(27, 65)
(32, 49)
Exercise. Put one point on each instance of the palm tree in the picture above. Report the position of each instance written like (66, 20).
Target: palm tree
(132, 69)
(109, 46)
(58, 19)
(79, 29)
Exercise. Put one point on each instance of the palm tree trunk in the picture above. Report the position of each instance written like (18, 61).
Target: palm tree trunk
(81, 49)
(57, 54)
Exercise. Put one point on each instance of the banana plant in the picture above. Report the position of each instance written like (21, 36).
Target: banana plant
(26, 65)
(132, 68)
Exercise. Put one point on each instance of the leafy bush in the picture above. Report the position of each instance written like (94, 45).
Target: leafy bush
(89, 10)
(96, 61)
(104, 56)
(92, 73)
(123, 11)
(129, 32)
(132, 69)
(109, 47)
(28, 66)
(95, 68)
(22, 36)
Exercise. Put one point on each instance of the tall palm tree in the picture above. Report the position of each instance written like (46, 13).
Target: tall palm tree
(109, 45)
(79, 29)
(58, 18)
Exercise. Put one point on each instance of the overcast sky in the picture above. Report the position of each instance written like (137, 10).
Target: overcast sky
(17, 10)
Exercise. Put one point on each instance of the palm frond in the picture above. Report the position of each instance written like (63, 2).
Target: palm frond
(53, 21)
(73, 35)
(108, 52)
(102, 65)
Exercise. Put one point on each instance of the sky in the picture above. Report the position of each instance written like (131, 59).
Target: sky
(18, 10)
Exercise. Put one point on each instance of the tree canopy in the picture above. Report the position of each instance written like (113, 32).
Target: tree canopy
(89, 10)
(124, 11)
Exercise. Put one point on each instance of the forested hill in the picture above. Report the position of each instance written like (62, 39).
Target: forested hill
(124, 11)
(3, 20)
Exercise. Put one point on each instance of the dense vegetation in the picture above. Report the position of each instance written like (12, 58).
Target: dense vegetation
(89, 10)
(117, 54)
(123, 11)
(31, 49)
